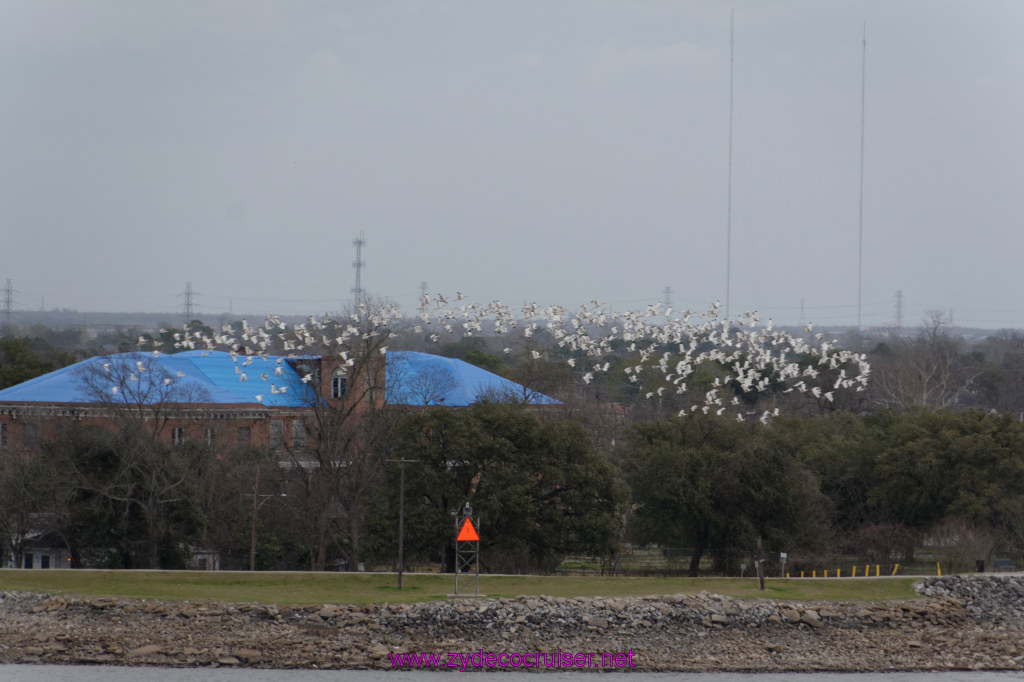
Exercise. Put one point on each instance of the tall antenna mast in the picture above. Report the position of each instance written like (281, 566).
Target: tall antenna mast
(899, 310)
(728, 213)
(359, 243)
(860, 217)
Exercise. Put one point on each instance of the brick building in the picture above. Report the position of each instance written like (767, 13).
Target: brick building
(234, 400)
(223, 401)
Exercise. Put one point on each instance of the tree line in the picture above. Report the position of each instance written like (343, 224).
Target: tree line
(931, 451)
(869, 487)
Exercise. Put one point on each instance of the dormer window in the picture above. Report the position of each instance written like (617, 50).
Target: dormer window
(338, 384)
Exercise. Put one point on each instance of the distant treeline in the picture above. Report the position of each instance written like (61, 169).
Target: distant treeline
(931, 452)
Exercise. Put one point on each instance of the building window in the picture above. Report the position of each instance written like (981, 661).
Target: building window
(276, 433)
(243, 435)
(31, 434)
(3, 435)
(298, 433)
(337, 386)
(178, 435)
(44, 561)
(210, 436)
(29, 560)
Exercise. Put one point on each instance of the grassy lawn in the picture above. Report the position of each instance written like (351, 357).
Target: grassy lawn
(362, 588)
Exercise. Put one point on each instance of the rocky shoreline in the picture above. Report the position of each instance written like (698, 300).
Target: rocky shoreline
(959, 623)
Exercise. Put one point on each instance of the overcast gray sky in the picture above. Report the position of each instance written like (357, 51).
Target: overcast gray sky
(554, 151)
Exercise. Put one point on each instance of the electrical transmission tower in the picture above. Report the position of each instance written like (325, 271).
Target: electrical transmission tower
(359, 243)
(189, 304)
(899, 310)
(667, 291)
(8, 294)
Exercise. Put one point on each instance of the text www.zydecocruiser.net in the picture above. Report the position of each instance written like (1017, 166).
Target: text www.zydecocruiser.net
(489, 659)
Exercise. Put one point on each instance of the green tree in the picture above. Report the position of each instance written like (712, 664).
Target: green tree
(1000, 385)
(132, 496)
(24, 492)
(840, 449)
(22, 359)
(536, 485)
(934, 464)
(716, 485)
(121, 499)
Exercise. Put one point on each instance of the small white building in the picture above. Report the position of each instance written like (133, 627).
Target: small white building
(38, 550)
(204, 559)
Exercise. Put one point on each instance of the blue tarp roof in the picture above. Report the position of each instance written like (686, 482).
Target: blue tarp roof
(424, 379)
(215, 377)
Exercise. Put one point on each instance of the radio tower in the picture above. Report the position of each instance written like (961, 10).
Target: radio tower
(668, 297)
(899, 310)
(189, 305)
(728, 213)
(860, 210)
(359, 243)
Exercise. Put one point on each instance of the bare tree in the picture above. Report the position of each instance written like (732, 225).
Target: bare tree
(137, 471)
(20, 501)
(427, 386)
(928, 370)
(135, 389)
(345, 427)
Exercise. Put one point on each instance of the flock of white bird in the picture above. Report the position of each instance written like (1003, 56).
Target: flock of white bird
(668, 347)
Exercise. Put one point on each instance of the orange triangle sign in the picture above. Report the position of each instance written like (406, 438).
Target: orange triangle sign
(468, 532)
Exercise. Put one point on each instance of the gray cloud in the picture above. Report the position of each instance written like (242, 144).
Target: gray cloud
(517, 151)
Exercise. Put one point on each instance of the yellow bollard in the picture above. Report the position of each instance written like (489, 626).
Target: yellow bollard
(854, 572)
(877, 568)
(895, 568)
(938, 568)
(867, 570)
(839, 573)
(801, 574)
(814, 574)
(787, 575)
(826, 572)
